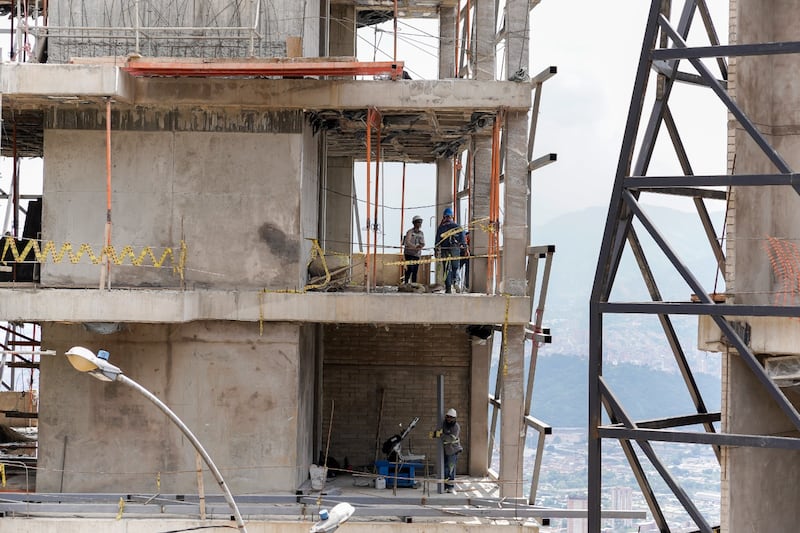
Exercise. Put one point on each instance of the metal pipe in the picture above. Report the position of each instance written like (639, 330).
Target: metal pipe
(439, 424)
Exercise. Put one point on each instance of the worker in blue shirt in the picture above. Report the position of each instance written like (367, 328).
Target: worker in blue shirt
(449, 242)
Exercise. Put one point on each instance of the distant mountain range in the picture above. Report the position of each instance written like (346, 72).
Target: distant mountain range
(561, 397)
(636, 339)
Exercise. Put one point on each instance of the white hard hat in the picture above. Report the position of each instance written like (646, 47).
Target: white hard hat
(416, 218)
(451, 412)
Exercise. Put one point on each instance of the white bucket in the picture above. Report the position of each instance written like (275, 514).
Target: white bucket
(380, 483)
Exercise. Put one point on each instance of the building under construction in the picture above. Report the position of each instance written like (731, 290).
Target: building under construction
(199, 221)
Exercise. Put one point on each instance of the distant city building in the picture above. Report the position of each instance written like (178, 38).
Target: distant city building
(577, 525)
(621, 500)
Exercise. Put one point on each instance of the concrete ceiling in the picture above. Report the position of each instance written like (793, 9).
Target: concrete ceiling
(412, 136)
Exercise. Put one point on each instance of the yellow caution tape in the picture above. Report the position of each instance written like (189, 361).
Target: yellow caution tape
(3, 474)
(435, 260)
(107, 253)
(121, 508)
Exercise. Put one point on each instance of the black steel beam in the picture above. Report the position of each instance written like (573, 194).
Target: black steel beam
(616, 409)
(699, 437)
(689, 308)
(691, 192)
(677, 421)
(741, 347)
(731, 50)
(736, 180)
(723, 95)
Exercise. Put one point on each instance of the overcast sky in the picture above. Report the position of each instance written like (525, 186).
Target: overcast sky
(596, 46)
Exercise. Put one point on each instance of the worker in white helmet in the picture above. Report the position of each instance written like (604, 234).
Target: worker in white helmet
(450, 435)
(413, 243)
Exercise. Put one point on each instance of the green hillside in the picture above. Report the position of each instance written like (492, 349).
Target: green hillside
(561, 396)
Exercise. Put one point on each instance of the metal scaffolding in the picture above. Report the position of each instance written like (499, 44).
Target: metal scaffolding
(664, 47)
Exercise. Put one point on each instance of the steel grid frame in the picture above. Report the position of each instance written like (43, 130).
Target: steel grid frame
(663, 47)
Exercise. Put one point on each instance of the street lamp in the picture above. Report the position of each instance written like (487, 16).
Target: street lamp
(84, 360)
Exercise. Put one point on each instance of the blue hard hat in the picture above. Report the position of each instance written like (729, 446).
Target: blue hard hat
(447, 212)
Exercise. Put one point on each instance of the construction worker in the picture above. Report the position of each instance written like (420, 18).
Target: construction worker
(450, 434)
(449, 242)
(413, 243)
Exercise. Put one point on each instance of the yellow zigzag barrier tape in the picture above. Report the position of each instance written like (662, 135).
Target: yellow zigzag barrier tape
(109, 252)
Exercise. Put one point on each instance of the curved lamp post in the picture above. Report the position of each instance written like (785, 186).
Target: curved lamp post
(84, 360)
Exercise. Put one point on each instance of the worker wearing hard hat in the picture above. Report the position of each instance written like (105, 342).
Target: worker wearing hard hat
(449, 242)
(413, 243)
(450, 435)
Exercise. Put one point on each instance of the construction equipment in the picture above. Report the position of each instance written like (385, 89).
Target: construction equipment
(392, 446)
(399, 468)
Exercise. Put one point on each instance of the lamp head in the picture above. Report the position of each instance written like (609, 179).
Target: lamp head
(84, 360)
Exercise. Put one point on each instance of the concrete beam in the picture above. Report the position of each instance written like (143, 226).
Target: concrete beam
(767, 335)
(175, 306)
(56, 83)
(334, 94)
(43, 84)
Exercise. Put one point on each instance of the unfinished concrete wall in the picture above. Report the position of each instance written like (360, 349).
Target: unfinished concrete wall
(379, 377)
(244, 395)
(233, 198)
(759, 488)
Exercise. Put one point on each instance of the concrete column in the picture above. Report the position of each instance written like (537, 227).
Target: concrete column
(512, 442)
(342, 31)
(515, 235)
(478, 394)
(479, 198)
(338, 203)
(759, 485)
(484, 34)
(515, 224)
(338, 190)
(447, 42)
(517, 33)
